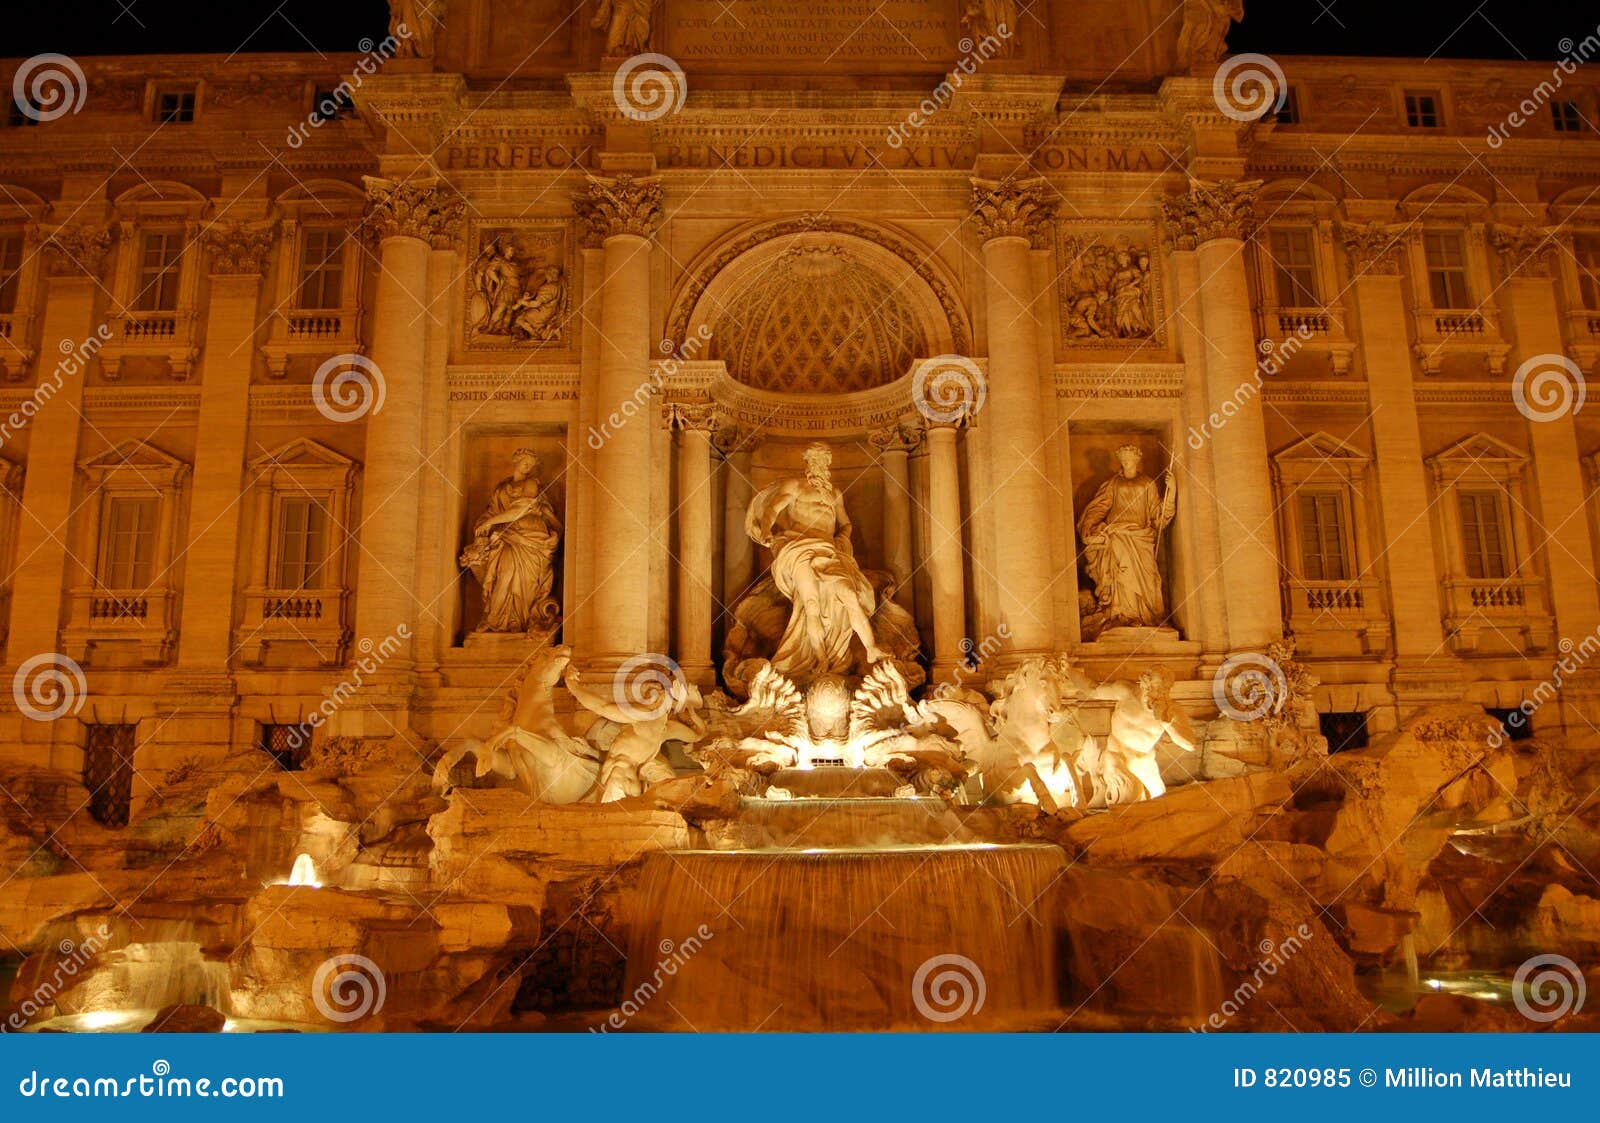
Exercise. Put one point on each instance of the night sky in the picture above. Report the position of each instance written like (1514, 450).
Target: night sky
(1500, 29)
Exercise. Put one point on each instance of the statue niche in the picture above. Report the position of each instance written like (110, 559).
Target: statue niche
(512, 552)
(815, 614)
(1121, 529)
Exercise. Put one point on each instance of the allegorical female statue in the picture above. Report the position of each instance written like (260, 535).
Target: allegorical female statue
(1121, 529)
(512, 550)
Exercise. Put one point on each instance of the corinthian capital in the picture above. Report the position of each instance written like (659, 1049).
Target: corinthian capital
(1210, 211)
(624, 205)
(238, 248)
(1011, 209)
(700, 417)
(1375, 248)
(1526, 251)
(424, 209)
(76, 251)
(902, 436)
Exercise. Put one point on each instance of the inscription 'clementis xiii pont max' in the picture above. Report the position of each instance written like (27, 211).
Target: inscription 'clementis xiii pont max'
(798, 470)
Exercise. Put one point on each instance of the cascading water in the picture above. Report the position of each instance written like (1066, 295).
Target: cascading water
(859, 912)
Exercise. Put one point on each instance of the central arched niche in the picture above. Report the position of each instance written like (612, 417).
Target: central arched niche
(829, 311)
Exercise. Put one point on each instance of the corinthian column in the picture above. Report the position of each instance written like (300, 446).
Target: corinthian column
(894, 444)
(621, 215)
(410, 220)
(1214, 219)
(1009, 217)
(946, 580)
(694, 425)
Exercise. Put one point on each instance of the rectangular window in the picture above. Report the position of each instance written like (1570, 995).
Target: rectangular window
(332, 102)
(302, 543)
(1447, 270)
(1422, 109)
(1323, 552)
(1344, 730)
(322, 269)
(1294, 266)
(160, 264)
(108, 771)
(1287, 109)
(1586, 248)
(10, 272)
(1483, 536)
(286, 744)
(174, 107)
(1565, 117)
(1513, 723)
(127, 553)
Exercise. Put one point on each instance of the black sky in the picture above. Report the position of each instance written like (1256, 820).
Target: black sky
(1499, 29)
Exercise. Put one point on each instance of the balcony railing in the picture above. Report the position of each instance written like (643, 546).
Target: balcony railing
(296, 619)
(315, 325)
(140, 618)
(1351, 607)
(141, 334)
(1511, 605)
(314, 332)
(1442, 332)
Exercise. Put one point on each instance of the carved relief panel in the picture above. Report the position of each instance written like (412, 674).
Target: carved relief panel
(518, 292)
(1109, 287)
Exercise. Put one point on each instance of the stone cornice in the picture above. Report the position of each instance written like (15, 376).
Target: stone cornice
(428, 210)
(609, 208)
(1119, 380)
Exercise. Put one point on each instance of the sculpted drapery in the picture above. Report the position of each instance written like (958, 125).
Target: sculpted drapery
(1121, 530)
(512, 551)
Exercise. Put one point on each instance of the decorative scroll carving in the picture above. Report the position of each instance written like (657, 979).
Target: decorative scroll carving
(238, 248)
(1374, 247)
(1105, 290)
(1210, 211)
(701, 417)
(623, 205)
(903, 436)
(1527, 251)
(428, 210)
(731, 438)
(76, 251)
(1011, 209)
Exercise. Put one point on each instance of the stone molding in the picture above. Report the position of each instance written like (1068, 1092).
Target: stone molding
(609, 208)
(902, 436)
(1374, 248)
(76, 251)
(239, 248)
(1527, 251)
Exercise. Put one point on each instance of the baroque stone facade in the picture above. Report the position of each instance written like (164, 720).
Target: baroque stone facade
(263, 381)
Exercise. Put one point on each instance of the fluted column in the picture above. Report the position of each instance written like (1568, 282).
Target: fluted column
(437, 548)
(237, 261)
(738, 551)
(1213, 220)
(73, 258)
(946, 577)
(1422, 663)
(894, 444)
(622, 215)
(409, 219)
(1008, 217)
(694, 425)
